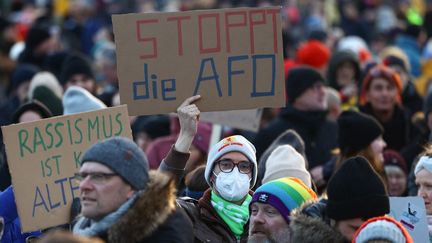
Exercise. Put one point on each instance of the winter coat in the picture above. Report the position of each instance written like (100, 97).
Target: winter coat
(309, 224)
(318, 134)
(153, 217)
(208, 226)
(12, 227)
(411, 99)
(397, 131)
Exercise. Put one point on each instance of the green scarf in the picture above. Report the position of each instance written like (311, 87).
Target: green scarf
(235, 216)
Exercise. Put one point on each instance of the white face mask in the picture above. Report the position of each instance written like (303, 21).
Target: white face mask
(232, 186)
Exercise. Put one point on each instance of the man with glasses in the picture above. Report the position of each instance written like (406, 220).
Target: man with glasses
(221, 215)
(122, 202)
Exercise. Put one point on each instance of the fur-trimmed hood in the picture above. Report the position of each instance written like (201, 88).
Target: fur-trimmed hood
(150, 210)
(310, 227)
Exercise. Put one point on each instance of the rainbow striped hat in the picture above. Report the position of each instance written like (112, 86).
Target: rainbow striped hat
(284, 194)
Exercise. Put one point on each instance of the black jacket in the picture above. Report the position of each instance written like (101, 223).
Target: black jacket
(318, 134)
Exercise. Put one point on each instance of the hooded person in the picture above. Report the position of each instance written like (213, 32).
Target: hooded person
(121, 201)
(271, 207)
(344, 74)
(355, 193)
(305, 113)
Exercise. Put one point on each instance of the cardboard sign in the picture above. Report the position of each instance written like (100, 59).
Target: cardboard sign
(241, 119)
(233, 58)
(44, 155)
(411, 213)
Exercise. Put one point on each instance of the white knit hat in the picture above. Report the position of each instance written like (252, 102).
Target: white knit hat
(381, 230)
(235, 143)
(77, 99)
(285, 161)
(425, 162)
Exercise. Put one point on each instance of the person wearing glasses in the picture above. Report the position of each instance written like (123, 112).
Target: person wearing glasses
(121, 201)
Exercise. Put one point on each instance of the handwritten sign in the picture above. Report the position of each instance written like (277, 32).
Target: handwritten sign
(411, 213)
(44, 155)
(232, 57)
(241, 119)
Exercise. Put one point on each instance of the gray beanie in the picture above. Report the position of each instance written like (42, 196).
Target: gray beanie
(122, 156)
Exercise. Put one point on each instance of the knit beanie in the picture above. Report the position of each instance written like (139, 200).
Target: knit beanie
(313, 53)
(35, 106)
(155, 126)
(425, 162)
(284, 194)
(382, 228)
(285, 161)
(122, 156)
(48, 80)
(380, 71)
(236, 143)
(49, 99)
(356, 191)
(394, 158)
(22, 73)
(75, 64)
(77, 99)
(394, 60)
(299, 79)
(357, 130)
(36, 36)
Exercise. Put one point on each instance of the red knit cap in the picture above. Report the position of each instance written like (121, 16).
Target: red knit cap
(382, 72)
(313, 53)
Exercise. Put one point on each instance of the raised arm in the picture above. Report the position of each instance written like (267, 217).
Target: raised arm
(188, 114)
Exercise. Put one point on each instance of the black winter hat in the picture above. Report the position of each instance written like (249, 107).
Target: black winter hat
(356, 191)
(75, 64)
(36, 36)
(35, 106)
(357, 130)
(299, 79)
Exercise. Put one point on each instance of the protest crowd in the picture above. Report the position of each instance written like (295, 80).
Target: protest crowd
(353, 133)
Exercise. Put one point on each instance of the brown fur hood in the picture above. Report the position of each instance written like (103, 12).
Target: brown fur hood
(150, 210)
(310, 228)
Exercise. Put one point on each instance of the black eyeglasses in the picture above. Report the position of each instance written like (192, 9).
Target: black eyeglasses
(95, 177)
(227, 165)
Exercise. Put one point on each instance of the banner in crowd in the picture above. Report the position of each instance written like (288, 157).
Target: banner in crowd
(411, 213)
(43, 157)
(233, 58)
(240, 119)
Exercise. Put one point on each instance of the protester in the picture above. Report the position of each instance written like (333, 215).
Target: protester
(423, 179)
(77, 71)
(380, 97)
(382, 229)
(122, 202)
(271, 206)
(343, 74)
(396, 173)
(355, 194)
(305, 113)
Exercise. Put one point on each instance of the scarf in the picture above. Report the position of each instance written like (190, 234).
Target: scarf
(235, 216)
(87, 227)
